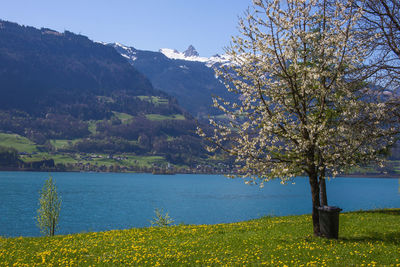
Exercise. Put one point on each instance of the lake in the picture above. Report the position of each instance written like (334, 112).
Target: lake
(105, 201)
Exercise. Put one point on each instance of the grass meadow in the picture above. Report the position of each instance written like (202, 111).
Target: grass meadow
(366, 238)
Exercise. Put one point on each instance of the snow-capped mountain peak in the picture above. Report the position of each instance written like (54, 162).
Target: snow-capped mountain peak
(192, 55)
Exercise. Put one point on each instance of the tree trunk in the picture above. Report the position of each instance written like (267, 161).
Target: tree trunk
(53, 226)
(322, 192)
(315, 202)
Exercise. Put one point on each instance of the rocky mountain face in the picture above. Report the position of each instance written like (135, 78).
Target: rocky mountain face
(186, 76)
(191, 52)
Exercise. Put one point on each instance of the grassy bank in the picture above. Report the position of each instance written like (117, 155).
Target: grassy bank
(366, 238)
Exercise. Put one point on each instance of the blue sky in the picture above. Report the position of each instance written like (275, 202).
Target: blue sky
(144, 24)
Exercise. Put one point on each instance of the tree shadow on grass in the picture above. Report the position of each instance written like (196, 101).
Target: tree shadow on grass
(381, 211)
(387, 237)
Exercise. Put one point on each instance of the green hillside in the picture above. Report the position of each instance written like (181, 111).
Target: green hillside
(20, 143)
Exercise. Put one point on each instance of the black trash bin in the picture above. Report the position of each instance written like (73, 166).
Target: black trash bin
(329, 221)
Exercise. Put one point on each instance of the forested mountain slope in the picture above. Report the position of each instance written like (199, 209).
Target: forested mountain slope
(68, 94)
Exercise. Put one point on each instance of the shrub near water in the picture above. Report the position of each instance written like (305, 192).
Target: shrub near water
(369, 238)
(160, 219)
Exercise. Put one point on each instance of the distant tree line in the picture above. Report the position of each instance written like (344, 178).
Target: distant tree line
(9, 157)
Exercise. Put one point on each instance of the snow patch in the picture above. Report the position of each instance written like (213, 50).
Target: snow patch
(122, 46)
(131, 57)
(100, 42)
(125, 51)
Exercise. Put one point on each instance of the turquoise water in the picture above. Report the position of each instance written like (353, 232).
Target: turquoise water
(105, 201)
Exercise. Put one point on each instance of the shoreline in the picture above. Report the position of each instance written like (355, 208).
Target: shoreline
(13, 169)
(389, 176)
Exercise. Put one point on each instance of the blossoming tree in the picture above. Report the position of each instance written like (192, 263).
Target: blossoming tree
(301, 109)
(381, 20)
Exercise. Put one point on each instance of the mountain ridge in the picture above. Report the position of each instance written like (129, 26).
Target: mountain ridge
(191, 80)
